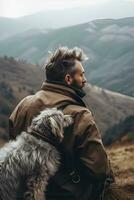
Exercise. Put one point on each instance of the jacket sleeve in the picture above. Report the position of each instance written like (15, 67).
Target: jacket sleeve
(17, 120)
(90, 148)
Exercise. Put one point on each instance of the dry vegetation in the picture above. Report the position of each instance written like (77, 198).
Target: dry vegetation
(122, 160)
(17, 80)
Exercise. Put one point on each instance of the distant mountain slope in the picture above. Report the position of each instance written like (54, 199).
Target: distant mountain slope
(108, 43)
(110, 109)
(123, 130)
(43, 20)
(19, 79)
(66, 16)
(10, 27)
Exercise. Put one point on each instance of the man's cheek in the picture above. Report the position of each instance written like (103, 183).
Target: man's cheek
(80, 81)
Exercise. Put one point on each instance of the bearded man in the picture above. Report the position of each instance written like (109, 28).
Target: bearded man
(85, 168)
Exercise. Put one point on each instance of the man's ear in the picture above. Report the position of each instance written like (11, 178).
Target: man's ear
(68, 79)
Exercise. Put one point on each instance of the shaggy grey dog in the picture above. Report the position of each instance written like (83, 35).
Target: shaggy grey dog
(34, 155)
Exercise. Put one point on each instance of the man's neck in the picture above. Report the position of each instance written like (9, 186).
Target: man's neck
(80, 92)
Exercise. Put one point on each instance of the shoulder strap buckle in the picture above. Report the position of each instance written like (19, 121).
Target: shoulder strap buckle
(75, 177)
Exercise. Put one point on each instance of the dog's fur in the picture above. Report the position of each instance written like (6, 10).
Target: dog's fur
(32, 157)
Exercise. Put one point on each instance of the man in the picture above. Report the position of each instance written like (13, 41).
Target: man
(85, 167)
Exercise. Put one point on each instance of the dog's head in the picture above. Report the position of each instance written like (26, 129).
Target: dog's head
(51, 120)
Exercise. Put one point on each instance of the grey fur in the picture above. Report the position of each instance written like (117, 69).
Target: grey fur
(35, 158)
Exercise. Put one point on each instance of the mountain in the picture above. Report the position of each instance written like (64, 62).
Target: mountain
(113, 112)
(19, 79)
(10, 27)
(66, 16)
(124, 130)
(80, 14)
(42, 21)
(109, 44)
(53, 19)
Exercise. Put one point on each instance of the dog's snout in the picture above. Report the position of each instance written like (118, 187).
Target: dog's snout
(68, 120)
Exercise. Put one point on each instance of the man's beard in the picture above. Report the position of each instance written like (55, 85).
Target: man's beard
(75, 85)
(79, 90)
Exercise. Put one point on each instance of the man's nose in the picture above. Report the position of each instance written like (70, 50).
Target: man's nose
(85, 80)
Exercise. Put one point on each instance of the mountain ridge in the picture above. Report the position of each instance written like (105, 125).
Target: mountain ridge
(109, 44)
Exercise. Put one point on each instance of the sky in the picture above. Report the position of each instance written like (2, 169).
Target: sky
(18, 8)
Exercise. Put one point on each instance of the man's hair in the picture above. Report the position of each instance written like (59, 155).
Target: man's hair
(62, 61)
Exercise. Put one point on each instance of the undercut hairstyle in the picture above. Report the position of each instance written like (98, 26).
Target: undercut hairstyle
(62, 62)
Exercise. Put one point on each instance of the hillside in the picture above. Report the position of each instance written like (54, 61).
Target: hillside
(59, 17)
(122, 153)
(39, 21)
(109, 43)
(19, 79)
(122, 161)
(110, 109)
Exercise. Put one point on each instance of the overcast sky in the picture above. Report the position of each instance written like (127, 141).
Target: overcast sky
(17, 8)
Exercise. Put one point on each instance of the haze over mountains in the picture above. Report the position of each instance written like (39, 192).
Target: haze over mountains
(109, 44)
(60, 17)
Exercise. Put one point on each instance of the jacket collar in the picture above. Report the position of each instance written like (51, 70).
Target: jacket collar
(64, 89)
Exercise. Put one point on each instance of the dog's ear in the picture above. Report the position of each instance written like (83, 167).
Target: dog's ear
(56, 129)
(68, 120)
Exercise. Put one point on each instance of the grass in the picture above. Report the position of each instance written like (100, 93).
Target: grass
(122, 161)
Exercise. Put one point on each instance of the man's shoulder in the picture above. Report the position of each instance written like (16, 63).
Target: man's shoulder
(24, 102)
(29, 102)
(77, 109)
(81, 114)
